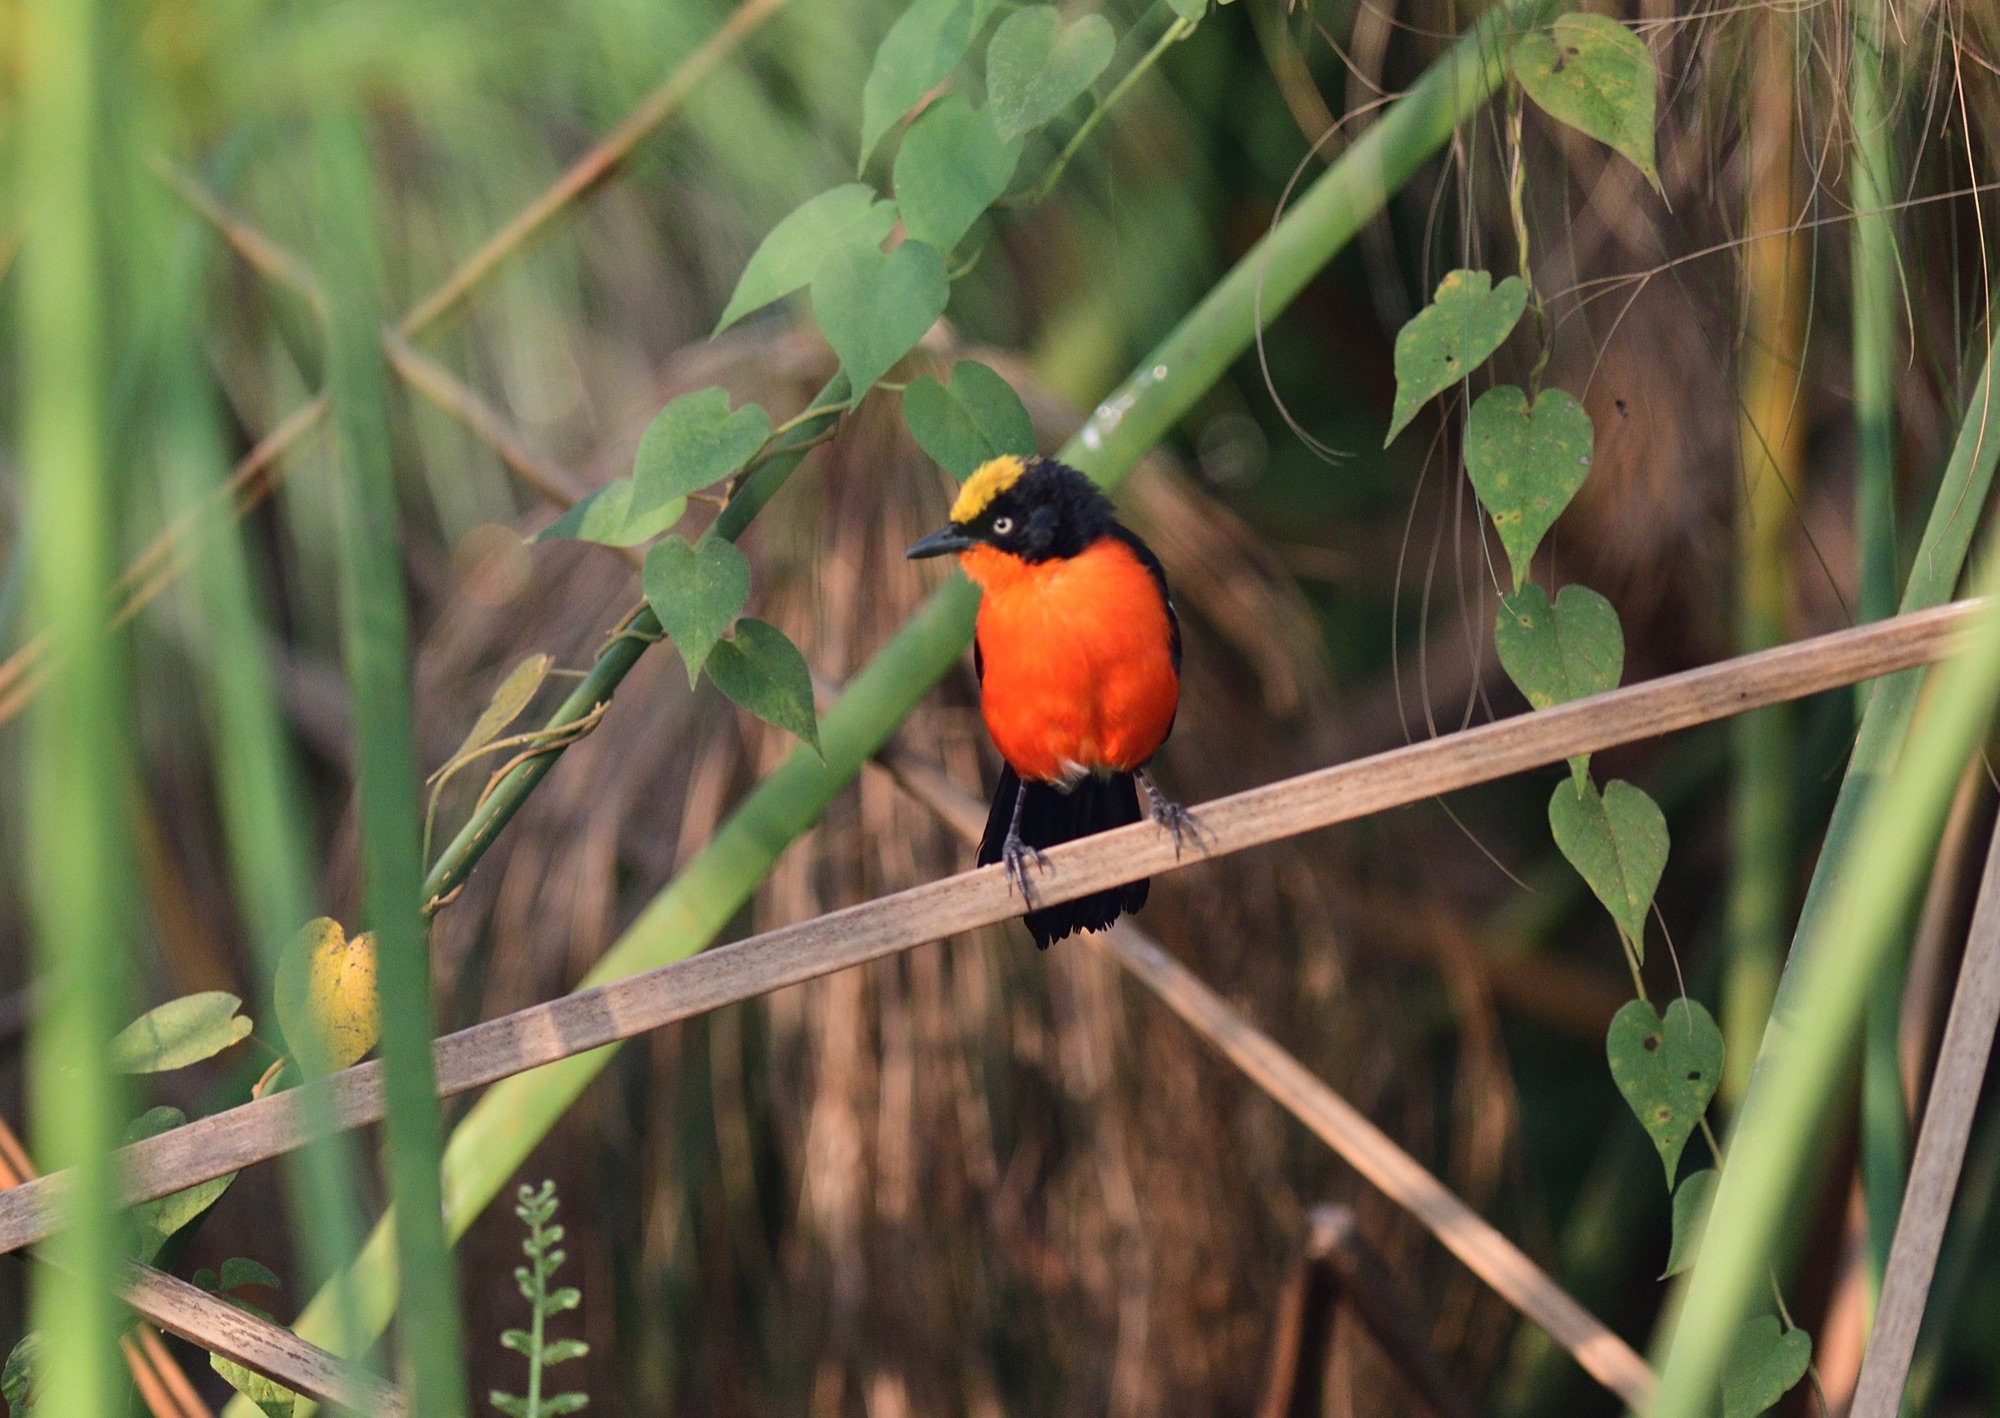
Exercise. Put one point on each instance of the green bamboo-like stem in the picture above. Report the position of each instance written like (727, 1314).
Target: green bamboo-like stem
(1771, 443)
(79, 773)
(1875, 317)
(1885, 1141)
(256, 777)
(493, 1139)
(1883, 831)
(375, 644)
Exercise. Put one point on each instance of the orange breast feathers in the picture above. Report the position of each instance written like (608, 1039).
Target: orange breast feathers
(1079, 672)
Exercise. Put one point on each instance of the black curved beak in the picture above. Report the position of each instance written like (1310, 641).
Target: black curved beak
(939, 542)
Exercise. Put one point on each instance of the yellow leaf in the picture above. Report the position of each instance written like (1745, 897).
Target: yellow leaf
(326, 995)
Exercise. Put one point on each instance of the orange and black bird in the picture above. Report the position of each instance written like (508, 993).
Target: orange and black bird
(1078, 653)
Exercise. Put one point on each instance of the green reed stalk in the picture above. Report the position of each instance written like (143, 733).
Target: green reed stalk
(257, 785)
(79, 772)
(1885, 1144)
(1882, 835)
(375, 642)
(494, 1138)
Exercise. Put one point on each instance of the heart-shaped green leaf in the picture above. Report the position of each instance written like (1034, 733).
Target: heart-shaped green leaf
(1035, 67)
(1467, 320)
(874, 308)
(155, 1222)
(603, 518)
(1667, 1069)
(1692, 1200)
(786, 259)
(1594, 74)
(178, 1033)
(697, 592)
(977, 417)
(1618, 844)
(1556, 653)
(923, 46)
(1189, 10)
(1526, 464)
(695, 442)
(951, 166)
(765, 673)
(1764, 1365)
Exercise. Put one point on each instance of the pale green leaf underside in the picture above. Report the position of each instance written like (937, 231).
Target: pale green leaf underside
(178, 1033)
(605, 517)
(507, 702)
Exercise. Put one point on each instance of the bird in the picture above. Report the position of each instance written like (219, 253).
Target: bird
(1078, 655)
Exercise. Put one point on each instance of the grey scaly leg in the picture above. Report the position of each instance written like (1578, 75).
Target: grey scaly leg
(1016, 854)
(1170, 814)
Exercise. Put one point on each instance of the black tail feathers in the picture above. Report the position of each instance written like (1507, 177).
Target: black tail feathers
(1050, 817)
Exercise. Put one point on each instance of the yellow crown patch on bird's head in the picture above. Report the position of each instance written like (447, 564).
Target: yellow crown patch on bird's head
(988, 481)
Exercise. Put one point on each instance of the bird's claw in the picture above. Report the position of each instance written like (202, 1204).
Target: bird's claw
(1016, 855)
(1184, 825)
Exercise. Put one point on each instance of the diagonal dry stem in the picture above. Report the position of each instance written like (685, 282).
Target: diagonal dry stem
(620, 1009)
(1337, 1123)
(1940, 1153)
(218, 1327)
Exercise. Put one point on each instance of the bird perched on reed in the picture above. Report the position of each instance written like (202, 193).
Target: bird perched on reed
(1078, 653)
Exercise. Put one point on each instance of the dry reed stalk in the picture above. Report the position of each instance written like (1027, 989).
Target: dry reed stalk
(1940, 1153)
(217, 1326)
(1362, 1145)
(1370, 1151)
(589, 1019)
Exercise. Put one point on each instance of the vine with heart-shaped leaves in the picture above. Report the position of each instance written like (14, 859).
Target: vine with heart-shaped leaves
(1527, 453)
(877, 274)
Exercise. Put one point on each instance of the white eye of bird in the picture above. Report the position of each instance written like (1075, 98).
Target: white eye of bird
(1002, 526)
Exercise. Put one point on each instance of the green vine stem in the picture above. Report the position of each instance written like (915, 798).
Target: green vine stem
(507, 1123)
(1517, 191)
(1883, 829)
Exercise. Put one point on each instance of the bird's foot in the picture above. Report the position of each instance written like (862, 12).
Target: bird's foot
(1016, 856)
(1184, 825)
